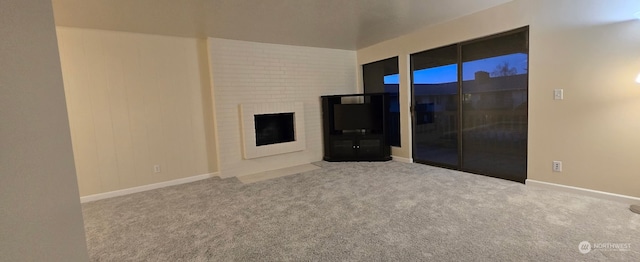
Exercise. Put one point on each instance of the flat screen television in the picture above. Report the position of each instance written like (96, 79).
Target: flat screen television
(355, 117)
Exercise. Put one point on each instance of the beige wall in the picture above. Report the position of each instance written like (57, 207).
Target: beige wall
(136, 101)
(590, 50)
(40, 216)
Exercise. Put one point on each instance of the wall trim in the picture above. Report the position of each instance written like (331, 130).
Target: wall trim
(127, 191)
(402, 159)
(583, 191)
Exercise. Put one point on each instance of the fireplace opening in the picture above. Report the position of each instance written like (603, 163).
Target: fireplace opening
(274, 128)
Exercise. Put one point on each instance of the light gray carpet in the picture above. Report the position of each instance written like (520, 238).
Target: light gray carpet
(359, 212)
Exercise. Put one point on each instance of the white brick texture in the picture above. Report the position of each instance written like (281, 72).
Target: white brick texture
(249, 72)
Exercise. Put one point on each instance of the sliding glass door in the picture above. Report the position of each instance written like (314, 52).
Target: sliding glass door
(470, 105)
(494, 108)
(435, 106)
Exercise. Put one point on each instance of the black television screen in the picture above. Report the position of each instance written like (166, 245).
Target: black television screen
(354, 117)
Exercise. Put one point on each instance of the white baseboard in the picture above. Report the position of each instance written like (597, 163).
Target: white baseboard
(138, 189)
(402, 159)
(586, 192)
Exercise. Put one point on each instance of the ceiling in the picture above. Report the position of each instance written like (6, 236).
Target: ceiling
(339, 24)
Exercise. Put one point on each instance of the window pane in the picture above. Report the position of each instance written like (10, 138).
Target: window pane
(382, 77)
(435, 98)
(494, 106)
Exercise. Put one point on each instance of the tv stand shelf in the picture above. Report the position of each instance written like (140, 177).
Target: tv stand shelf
(354, 127)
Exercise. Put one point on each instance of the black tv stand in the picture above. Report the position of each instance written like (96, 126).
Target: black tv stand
(354, 127)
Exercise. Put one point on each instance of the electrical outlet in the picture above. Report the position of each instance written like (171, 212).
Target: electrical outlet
(558, 94)
(557, 166)
(156, 169)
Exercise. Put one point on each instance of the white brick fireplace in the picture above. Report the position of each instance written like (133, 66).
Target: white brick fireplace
(249, 73)
(248, 126)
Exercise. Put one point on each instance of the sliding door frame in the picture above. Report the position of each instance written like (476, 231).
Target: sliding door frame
(459, 114)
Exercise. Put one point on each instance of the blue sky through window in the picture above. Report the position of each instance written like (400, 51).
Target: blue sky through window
(449, 73)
